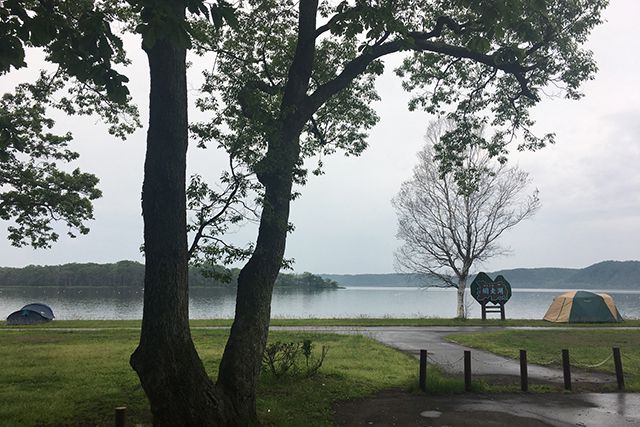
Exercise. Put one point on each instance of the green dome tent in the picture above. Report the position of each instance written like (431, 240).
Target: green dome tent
(31, 314)
(583, 307)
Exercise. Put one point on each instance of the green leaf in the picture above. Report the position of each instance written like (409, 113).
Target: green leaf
(479, 44)
(229, 15)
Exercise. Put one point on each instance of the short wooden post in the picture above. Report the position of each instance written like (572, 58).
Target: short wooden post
(423, 370)
(502, 315)
(524, 377)
(566, 369)
(484, 311)
(121, 416)
(467, 370)
(617, 361)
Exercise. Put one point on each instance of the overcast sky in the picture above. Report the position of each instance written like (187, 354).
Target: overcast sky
(589, 181)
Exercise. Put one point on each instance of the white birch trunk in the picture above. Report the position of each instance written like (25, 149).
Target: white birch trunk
(462, 285)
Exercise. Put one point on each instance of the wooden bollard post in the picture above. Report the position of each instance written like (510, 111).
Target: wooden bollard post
(566, 369)
(467, 370)
(617, 361)
(524, 377)
(423, 370)
(121, 416)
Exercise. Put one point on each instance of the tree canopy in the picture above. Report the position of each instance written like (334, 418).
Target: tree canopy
(290, 80)
(37, 186)
(484, 63)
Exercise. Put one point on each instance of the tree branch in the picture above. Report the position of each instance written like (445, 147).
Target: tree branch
(418, 41)
(226, 205)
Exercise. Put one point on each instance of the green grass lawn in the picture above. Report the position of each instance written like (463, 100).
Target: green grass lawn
(53, 377)
(544, 347)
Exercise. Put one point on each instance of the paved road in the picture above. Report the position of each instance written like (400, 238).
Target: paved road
(586, 409)
(394, 408)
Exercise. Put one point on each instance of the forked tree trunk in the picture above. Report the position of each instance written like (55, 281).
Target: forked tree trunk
(171, 373)
(173, 377)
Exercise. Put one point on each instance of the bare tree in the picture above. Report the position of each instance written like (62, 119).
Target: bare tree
(449, 220)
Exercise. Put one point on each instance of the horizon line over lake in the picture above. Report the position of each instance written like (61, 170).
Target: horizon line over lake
(356, 301)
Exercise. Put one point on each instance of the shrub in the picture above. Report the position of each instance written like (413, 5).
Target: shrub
(282, 358)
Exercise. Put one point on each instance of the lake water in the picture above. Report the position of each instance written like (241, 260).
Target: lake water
(209, 303)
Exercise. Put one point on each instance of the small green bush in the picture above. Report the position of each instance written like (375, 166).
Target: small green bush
(282, 358)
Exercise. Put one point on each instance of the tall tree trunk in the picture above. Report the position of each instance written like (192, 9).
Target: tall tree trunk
(173, 377)
(242, 359)
(462, 285)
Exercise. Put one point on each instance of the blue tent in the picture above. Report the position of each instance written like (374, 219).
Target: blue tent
(31, 314)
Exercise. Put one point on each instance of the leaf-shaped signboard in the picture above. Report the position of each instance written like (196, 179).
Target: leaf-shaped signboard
(485, 290)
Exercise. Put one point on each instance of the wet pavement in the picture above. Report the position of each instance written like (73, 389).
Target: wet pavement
(449, 356)
(585, 409)
(395, 408)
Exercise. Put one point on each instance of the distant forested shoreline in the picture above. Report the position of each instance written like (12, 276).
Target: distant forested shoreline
(131, 274)
(624, 275)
